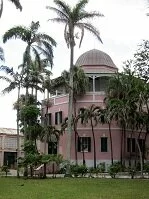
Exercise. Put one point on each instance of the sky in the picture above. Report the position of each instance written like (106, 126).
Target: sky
(124, 26)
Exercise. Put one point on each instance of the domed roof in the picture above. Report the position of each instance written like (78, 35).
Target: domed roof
(95, 58)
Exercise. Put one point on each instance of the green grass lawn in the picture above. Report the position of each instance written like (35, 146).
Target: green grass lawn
(11, 188)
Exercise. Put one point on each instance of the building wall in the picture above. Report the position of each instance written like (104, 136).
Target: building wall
(8, 143)
(60, 103)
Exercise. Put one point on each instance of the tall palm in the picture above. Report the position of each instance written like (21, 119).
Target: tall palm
(73, 18)
(105, 117)
(49, 133)
(15, 2)
(90, 115)
(37, 44)
(15, 80)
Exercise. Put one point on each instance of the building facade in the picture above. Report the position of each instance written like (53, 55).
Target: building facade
(98, 66)
(8, 147)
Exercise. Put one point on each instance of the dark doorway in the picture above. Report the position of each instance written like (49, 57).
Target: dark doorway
(52, 148)
(10, 159)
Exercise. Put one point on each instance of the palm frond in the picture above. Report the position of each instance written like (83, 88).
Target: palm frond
(58, 20)
(11, 87)
(47, 38)
(65, 8)
(7, 70)
(37, 57)
(17, 4)
(91, 29)
(27, 57)
(58, 12)
(66, 36)
(1, 9)
(48, 55)
(79, 7)
(2, 54)
(5, 78)
(89, 15)
(18, 32)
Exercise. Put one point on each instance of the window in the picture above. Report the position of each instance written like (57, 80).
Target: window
(104, 144)
(131, 145)
(81, 113)
(84, 144)
(48, 118)
(52, 147)
(58, 117)
(90, 84)
(141, 144)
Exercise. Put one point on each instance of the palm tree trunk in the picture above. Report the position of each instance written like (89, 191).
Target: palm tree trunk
(76, 156)
(140, 154)
(138, 139)
(121, 156)
(75, 131)
(70, 108)
(111, 143)
(36, 92)
(18, 138)
(32, 91)
(130, 152)
(143, 155)
(46, 123)
(44, 170)
(94, 144)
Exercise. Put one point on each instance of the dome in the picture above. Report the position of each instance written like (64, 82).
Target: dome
(95, 58)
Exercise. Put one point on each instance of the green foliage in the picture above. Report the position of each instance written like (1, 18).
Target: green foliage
(132, 171)
(146, 167)
(5, 169)
(101, 167)
(114, 169)
(30, 113)
(78, 170)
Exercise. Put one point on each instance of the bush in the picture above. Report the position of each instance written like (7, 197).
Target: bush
(114, 169)
(5, 169)
(77, 170)
(146, 167)
(101, 167)
(132, 171)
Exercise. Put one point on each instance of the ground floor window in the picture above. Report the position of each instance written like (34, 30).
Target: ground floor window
(131, 145)
(10, 159)
(52, 147)
(104, 144)
(84, 144)
(141, 144)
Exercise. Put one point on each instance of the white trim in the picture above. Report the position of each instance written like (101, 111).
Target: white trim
(90, 101)
(97, 128)
(57, 104)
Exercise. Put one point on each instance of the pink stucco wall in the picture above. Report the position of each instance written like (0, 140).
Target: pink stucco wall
(60, 103)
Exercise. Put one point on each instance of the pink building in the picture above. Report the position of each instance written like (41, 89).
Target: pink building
(98, 66)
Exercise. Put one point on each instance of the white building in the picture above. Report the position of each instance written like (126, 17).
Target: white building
(8, 147)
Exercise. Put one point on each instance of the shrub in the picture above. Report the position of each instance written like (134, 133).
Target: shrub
(146, 167)
(101, 167)
(132, 171)
(77, 170)
(114, 169)
(5, 169)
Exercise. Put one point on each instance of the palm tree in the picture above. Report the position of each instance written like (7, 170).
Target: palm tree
(106, 117)
(73, 18)
(37, 44)
(15, 80)
(15, 2)
(91, 115)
